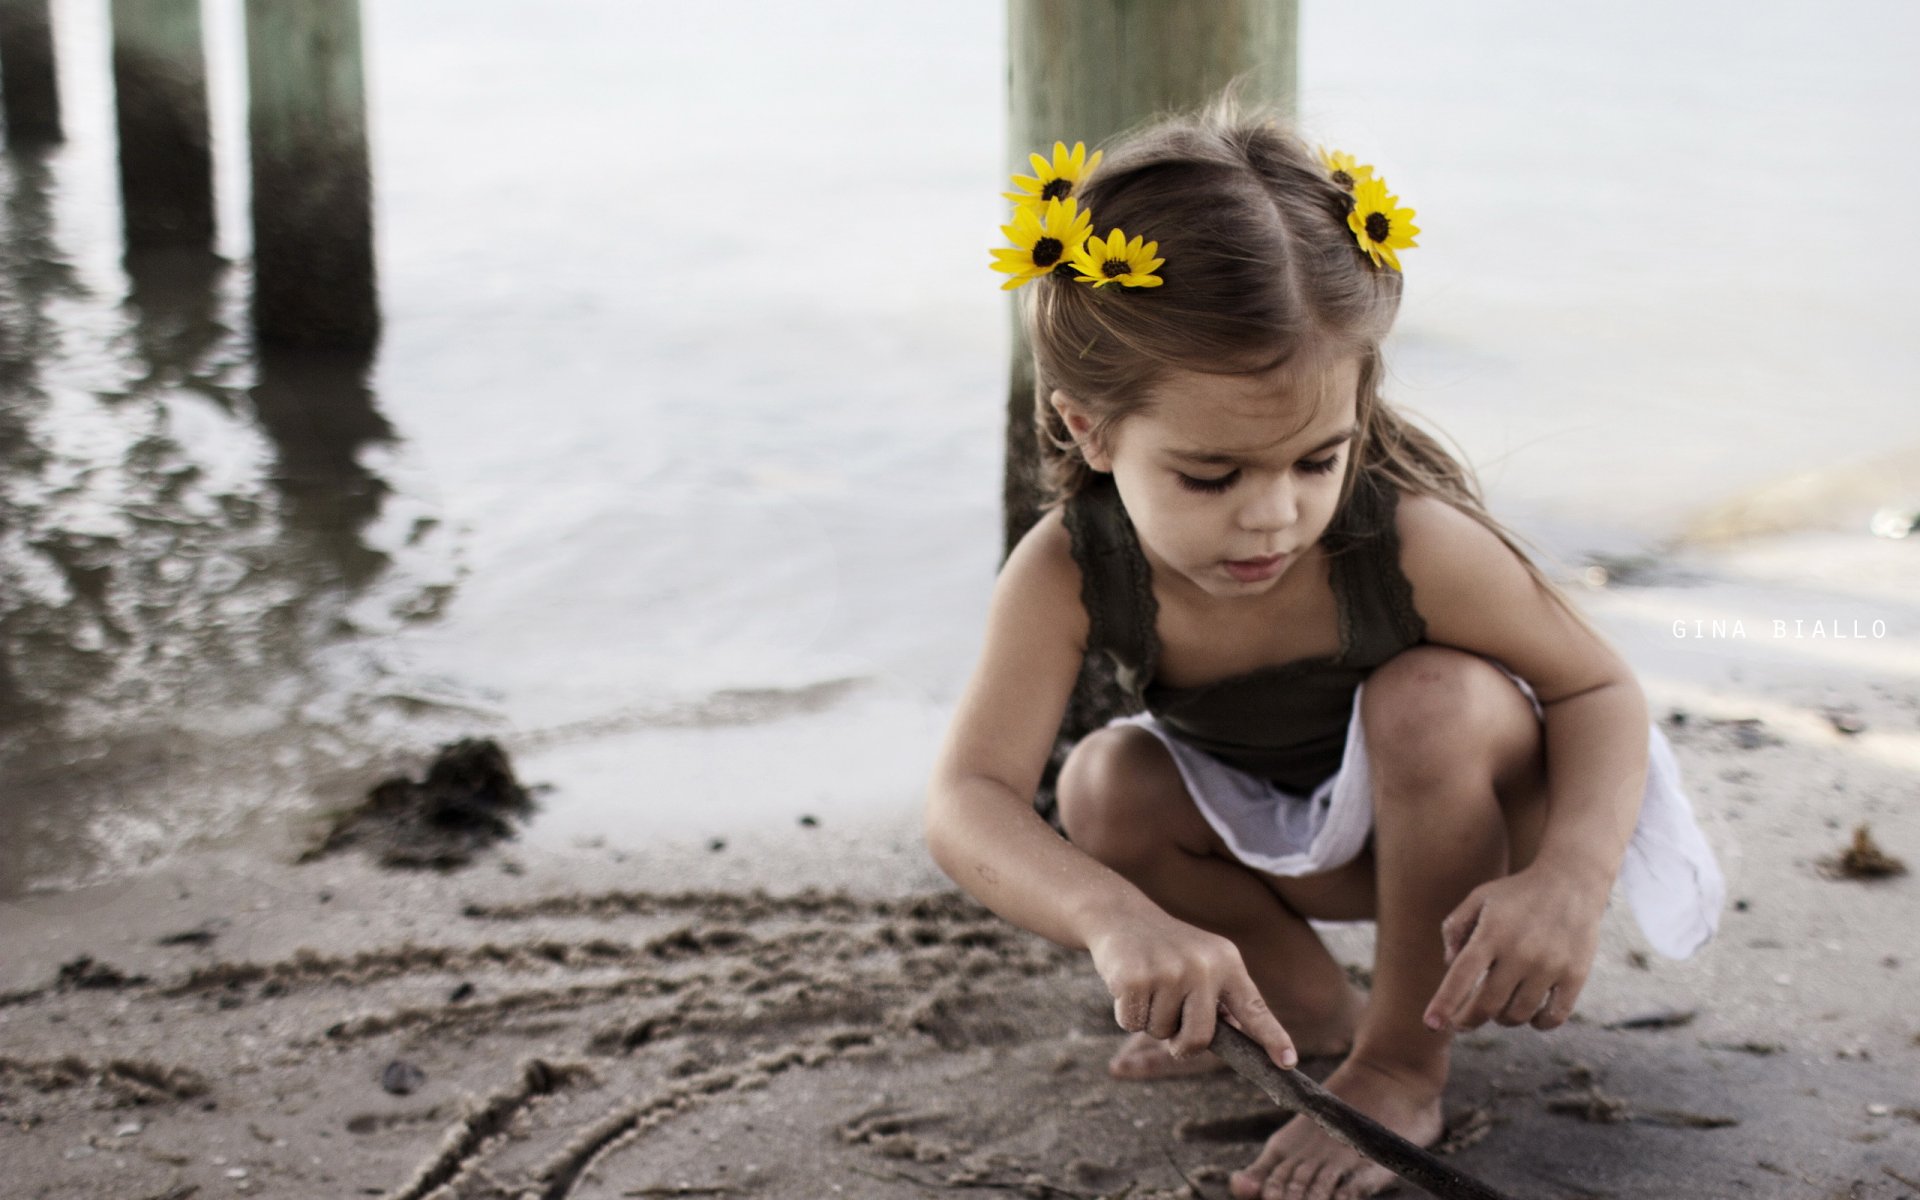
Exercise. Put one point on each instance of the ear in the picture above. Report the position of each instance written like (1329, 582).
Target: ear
(1080, 424)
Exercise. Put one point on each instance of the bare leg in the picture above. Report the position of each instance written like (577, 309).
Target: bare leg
(1123, 801)
(1451, 743)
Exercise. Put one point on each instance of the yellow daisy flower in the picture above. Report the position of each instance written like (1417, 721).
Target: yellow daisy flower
(1056, 180)
(1343, 169)
(1379, 223)
(1117, 260)
(1041, 243)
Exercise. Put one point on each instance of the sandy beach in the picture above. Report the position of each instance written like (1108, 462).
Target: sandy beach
(816, 1012)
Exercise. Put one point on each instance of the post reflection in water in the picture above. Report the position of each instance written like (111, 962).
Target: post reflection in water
(188, 555)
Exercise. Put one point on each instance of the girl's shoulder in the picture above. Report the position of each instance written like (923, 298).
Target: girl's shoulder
(1042, 581)
(1442, 544)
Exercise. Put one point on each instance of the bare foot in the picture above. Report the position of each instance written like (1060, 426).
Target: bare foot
(1302, 1163)
(1143, 1056)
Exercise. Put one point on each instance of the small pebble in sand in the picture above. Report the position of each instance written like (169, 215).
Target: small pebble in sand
(1879, 1110)
(717, 845)
(402, 1078)
(809, 821)
(130, 1129)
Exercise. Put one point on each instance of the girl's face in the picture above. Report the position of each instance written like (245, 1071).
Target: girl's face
(1230, 479)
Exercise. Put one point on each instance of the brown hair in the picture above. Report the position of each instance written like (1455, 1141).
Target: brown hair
(1261, 268)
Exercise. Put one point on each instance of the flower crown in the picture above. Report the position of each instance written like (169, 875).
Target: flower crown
(1050, 232)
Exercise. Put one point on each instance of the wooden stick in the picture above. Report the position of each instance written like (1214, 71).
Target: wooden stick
(1294, 1092)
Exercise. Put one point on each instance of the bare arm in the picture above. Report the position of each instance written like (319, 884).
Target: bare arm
(1534, 931)
(980, 823)
(981, 828)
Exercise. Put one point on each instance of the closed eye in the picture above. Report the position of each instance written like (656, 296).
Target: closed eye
(1216, 486)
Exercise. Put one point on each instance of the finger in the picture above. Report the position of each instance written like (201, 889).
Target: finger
(1525, 1004)
(1493, 994)
(1559, 1005)
(1247, 1010)
(1457, 986)
(1457, 930)
(1163, 1015)
(1130, 1007)
(1196, 1025)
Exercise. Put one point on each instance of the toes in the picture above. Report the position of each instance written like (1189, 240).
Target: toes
(1324, 1181)
(1146, 1057)
(1291, 1182)
(1370, 1180)
(1258, 1177)
(1136, 1058)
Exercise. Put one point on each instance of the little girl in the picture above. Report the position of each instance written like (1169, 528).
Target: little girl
(1362, 700)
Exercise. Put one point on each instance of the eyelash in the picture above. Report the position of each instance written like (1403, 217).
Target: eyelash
(1319, 466)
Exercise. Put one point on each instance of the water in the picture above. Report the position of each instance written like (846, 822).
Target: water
(678, 466)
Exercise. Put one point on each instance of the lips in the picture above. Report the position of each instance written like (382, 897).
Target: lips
(1253, 570)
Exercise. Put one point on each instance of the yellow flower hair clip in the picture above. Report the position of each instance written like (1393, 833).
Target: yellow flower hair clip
(1041, 243)
(1379, 224)
(1056, 180)
(1117, 260)
(1342, 168)
(1051, 232)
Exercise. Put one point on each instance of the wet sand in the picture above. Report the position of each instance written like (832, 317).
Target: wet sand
(815, 1012)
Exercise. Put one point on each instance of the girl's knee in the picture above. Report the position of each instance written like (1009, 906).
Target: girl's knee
(1432, 713)
(1117, 791)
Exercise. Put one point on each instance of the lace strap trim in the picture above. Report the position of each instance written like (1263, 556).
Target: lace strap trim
(1081, 541)
(1113, 567)
(1142, 607)
(1394, 585)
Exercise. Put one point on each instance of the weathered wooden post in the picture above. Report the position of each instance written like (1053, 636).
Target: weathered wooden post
(29, 94)
(1084, 70)
(160, 107)
(312, 190)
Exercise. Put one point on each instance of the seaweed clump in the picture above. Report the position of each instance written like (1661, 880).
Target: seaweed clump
(468, 801)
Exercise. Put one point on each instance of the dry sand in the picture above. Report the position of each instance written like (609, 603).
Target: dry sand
(815, 1013)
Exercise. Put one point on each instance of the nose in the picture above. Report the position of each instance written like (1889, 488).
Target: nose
(1271, 505)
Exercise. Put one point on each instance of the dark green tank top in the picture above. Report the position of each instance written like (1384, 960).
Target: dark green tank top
(1286, 723)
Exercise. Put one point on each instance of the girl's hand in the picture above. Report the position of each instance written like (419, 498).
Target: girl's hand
(1519, 949)
(1171, 979)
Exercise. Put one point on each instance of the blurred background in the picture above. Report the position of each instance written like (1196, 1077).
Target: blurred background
(677, 468)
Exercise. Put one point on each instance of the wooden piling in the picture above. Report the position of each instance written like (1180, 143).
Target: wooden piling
(1082, 71)
(29, 93)
(160, 107)
(312, 190)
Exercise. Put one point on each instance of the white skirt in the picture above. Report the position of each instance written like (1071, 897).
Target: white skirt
(1669, 876)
